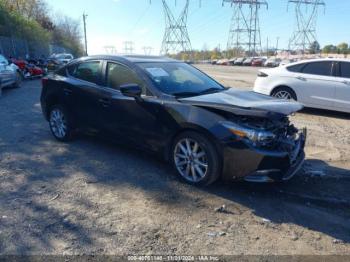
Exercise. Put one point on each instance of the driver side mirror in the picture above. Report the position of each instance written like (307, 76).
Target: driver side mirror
(131, 90)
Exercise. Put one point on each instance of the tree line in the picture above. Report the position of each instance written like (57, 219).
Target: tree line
(216, 53)
(33, 21)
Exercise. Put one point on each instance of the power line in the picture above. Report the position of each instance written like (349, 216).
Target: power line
(306, 14)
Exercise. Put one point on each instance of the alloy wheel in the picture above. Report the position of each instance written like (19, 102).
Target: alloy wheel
(283, 95)
(191, 160)
(58, 123)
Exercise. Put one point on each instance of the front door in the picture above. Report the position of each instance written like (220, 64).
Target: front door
(136, 120)
(342, 94)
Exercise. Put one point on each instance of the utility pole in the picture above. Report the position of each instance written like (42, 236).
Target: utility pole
(245, 26)
(267, 47)
(306, 14)
(277, 41)
(84, 20)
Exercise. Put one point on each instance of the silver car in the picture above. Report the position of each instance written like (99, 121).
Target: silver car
(9, 74)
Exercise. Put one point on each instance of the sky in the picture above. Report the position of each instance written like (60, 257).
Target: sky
(112, 22)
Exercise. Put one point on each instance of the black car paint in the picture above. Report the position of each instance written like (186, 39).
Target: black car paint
(152, 121)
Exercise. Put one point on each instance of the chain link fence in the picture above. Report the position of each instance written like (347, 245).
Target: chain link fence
(20, 48)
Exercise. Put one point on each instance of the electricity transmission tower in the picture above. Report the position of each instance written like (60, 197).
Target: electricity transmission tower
(147, 50)
(244, 32)
(306, 12)
(110, 49)
(128, 47)
(176, 37)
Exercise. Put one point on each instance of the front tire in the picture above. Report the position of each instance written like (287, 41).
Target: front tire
(60, 123)
(284, 93)
(195, 159)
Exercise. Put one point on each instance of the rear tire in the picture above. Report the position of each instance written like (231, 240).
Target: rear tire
(195, 159)
(284, 93)
(60, 123)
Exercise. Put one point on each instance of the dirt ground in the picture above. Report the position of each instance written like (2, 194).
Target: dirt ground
(90, 197)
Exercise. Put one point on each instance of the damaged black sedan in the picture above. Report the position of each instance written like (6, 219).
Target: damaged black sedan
(205, 130)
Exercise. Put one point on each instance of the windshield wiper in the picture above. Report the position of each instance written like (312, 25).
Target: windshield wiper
(185, 94)
(211, 90)
(207, 91)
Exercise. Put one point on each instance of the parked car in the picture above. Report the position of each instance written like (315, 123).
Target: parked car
(9, 74)
(204, 129)
(64, 58)
(53, 64)
(248, 61)
(224, 62)
(286, 62)
(318, 83)
(258, 62)
(272, 62)
(232, 61)
(239, 61)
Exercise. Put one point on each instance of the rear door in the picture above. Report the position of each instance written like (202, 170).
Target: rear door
(342, 95)
(83, 92)
(316, 83)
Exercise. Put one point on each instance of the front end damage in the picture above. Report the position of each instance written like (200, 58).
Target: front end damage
(277, 158)
(259, 142)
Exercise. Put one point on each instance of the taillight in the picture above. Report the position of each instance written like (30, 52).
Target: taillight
(262, 74)
(44, 81)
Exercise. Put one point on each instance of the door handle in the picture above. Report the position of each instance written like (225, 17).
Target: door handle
(346, 83)
(301, 78)
(105, 102)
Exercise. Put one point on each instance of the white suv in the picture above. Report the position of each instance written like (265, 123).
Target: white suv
(319, 83)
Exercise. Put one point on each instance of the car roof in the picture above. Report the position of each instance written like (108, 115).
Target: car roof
(132, 58)
(318, 60)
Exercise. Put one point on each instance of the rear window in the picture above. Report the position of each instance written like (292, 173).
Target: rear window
(345, 70)
(318, 68)
(87, 71)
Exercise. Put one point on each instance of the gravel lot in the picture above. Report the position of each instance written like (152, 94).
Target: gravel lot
(90, 197)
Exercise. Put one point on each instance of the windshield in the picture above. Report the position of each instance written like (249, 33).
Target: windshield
(180, 79)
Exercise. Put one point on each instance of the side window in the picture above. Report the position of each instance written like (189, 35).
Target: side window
(71, 69)
(62, 71)
(87, 71)
(118, 75)
(318, 68)
(296, 68)
(345, 70)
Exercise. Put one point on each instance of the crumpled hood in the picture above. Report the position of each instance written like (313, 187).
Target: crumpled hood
(245, 103)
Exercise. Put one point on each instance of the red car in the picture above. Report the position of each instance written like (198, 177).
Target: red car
(258, 62)
(28, 70)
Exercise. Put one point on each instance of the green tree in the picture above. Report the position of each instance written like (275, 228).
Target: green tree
(329, 49)
(314, 47)
(343, 48)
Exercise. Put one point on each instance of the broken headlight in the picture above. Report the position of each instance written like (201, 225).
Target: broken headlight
(255, 136)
